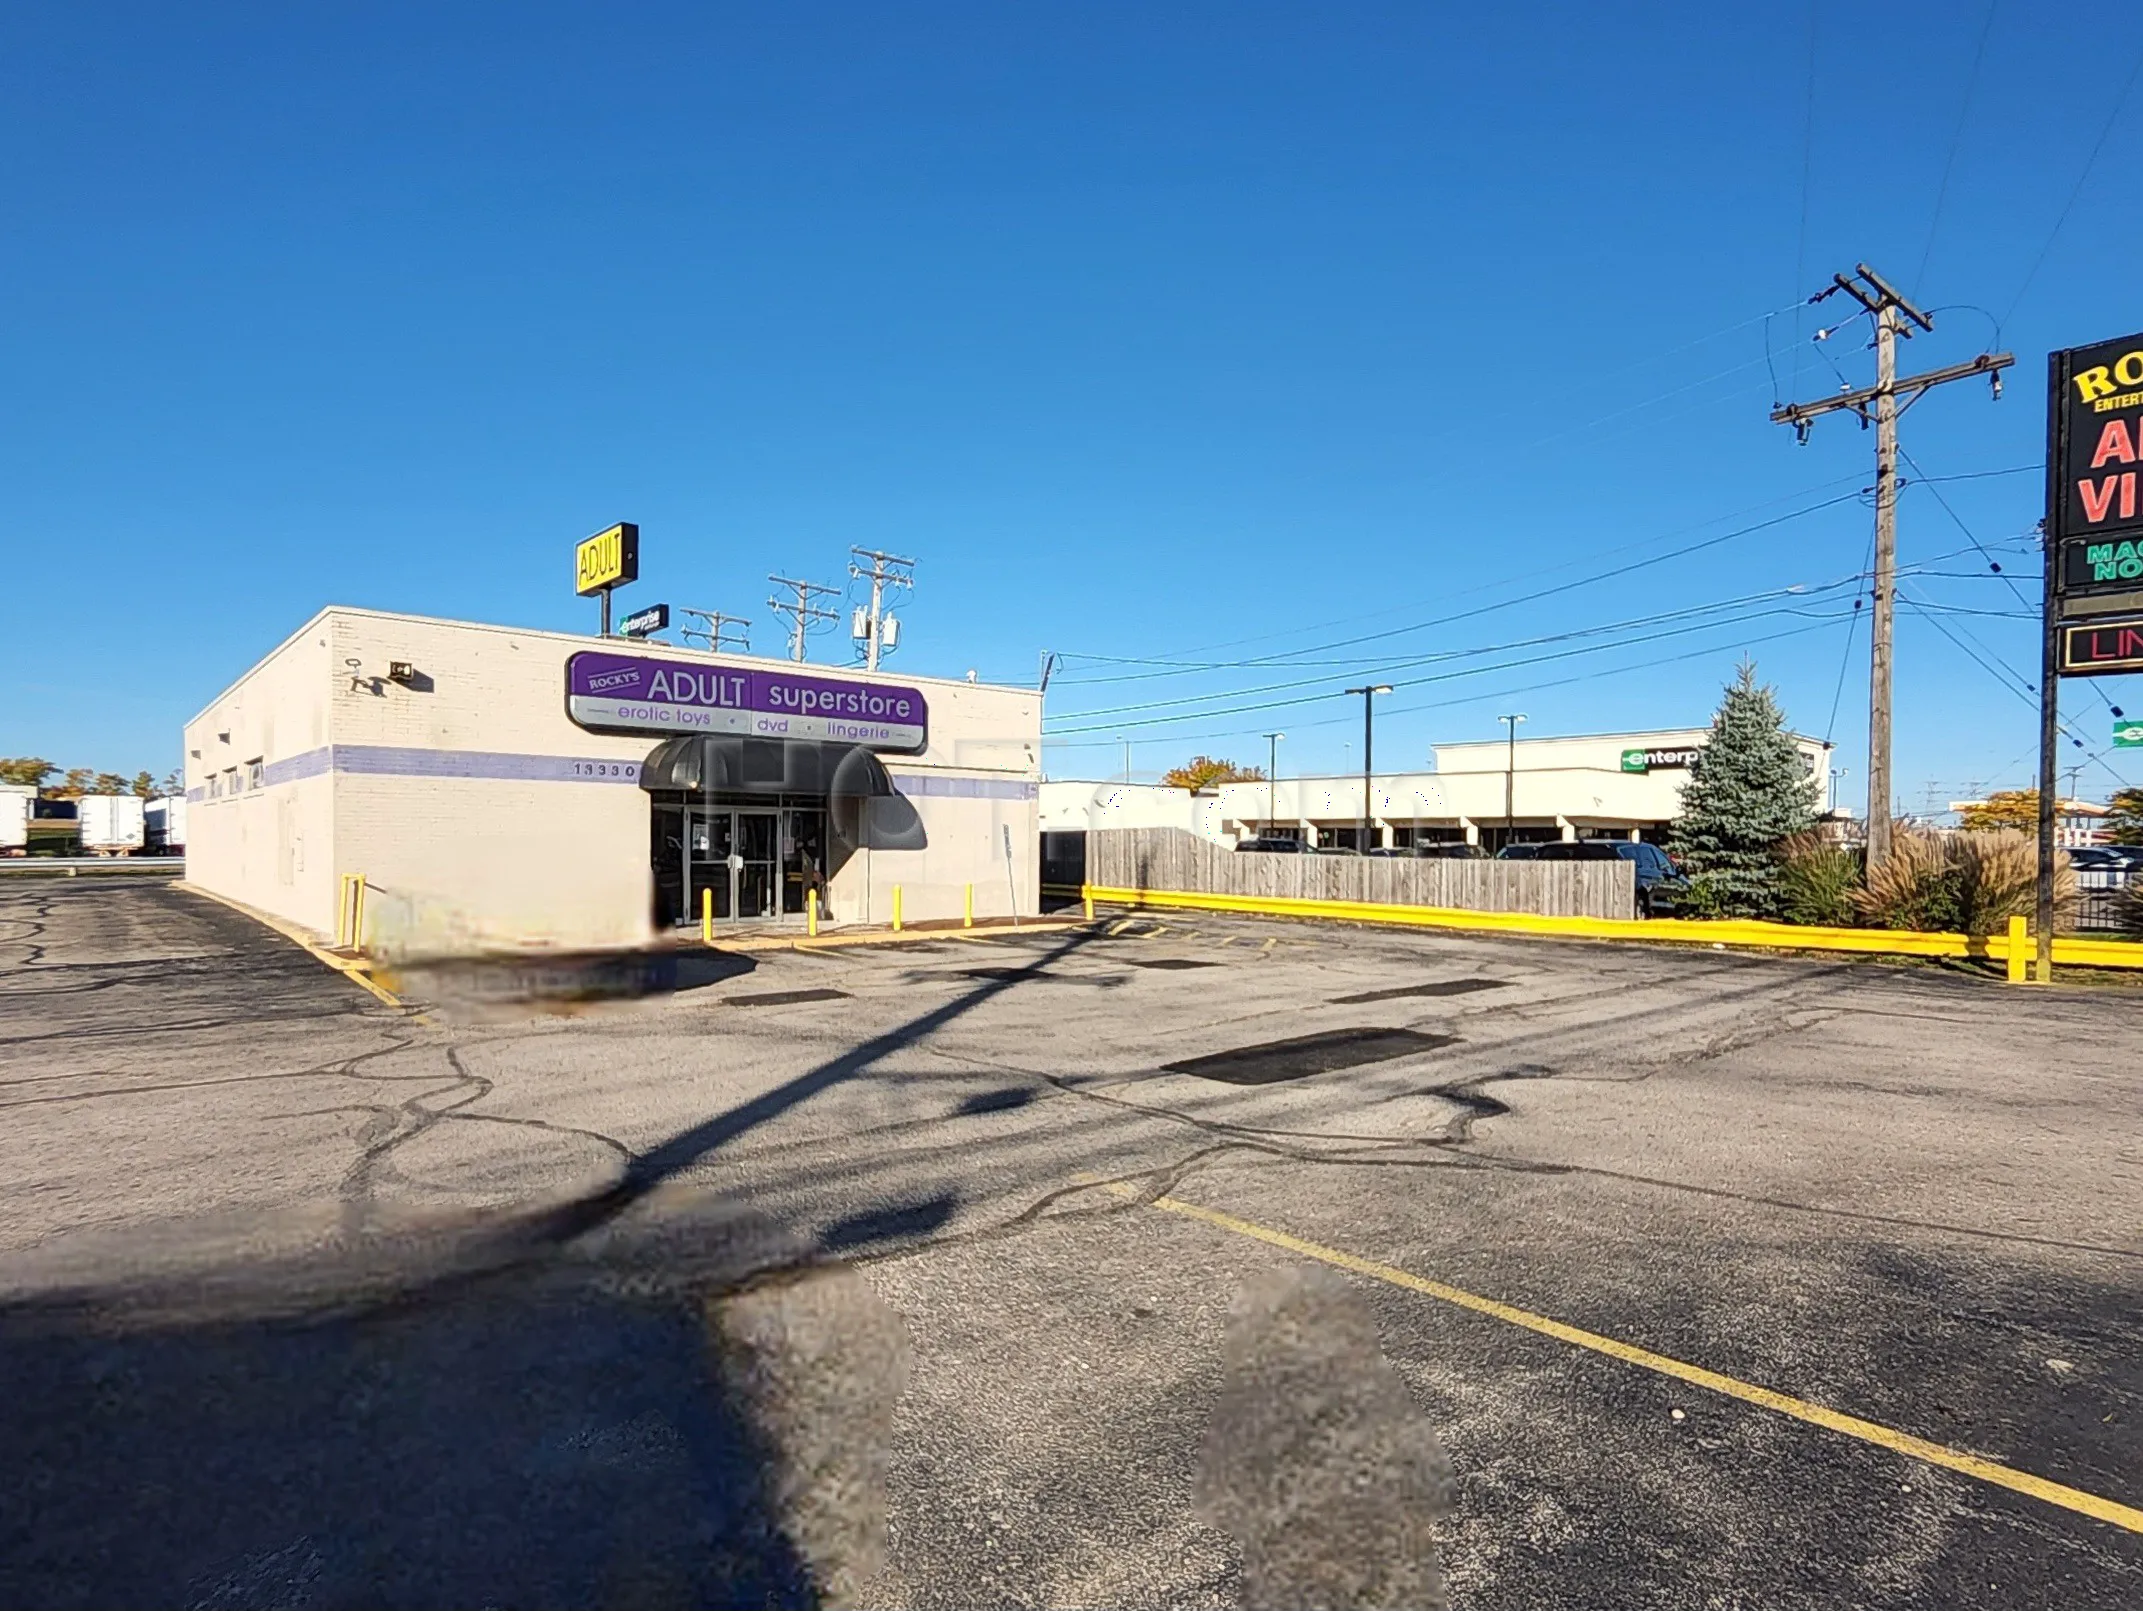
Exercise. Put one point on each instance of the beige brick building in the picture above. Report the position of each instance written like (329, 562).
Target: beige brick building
(498, 787)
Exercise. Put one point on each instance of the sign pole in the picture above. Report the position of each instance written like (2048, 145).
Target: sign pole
(2050, 657)
(606, 613)
(2049, 739)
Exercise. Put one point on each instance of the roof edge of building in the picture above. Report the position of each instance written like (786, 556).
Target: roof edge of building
(364, 611)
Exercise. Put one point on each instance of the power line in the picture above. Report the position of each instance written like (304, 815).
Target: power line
(2089, 163)
(1206, 735)
(1800, 592)
(2014, 681)
(1808, 158)
(1281, 660)
(1415, 682)
(1845, 659)
(1949, 162)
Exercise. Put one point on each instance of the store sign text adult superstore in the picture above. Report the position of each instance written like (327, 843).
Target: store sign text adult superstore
(620, 693)
(2097, 502)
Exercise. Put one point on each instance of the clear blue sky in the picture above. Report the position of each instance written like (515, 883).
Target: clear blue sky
(1145, 329)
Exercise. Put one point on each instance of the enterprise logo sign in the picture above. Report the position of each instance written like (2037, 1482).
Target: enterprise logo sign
(615, 693)
(1658, 760)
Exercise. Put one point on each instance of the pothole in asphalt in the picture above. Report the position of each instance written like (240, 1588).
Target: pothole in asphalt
(1435, 987)
(1171, 964)
(1002, 1101)
(1277, 1060)
(784, 998)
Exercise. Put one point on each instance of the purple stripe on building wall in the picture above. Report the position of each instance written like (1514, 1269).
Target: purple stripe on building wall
(296, 768)
(384, 760)
(389, 760)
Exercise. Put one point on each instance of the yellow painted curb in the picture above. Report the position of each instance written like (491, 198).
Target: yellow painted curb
(1684, 931)
(355, 972)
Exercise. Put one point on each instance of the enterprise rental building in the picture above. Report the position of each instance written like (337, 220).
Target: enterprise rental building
(506, 788)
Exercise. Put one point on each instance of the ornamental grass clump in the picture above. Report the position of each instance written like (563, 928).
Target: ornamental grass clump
(1998, 878)
(1914, 887)
(1816, 880)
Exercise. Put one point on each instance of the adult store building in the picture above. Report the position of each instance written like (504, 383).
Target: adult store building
(499, 787)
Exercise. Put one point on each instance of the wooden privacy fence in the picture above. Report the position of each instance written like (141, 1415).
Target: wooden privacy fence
(1174, 860)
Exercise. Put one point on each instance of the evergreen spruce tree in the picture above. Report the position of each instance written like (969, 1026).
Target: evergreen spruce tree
(1748, 790)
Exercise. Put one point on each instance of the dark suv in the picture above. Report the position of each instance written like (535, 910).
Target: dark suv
(1661, 890)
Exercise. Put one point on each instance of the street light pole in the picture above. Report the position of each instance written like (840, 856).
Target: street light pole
(1368, 694)
(1272, 775)
(1510, 772)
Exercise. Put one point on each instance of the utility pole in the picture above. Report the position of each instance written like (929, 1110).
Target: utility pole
(1894, 316)
(1369, 706)
(884, 571)
(1510, 773)
(1127, 760)
(719, 630)
(800, 610)
(1272, 776)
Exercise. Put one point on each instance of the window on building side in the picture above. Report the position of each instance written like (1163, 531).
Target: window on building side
(256, 773)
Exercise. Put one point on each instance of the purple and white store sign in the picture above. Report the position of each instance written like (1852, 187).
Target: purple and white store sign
(624, 693)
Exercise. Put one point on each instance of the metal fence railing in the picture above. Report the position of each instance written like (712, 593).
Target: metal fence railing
(2098, 894)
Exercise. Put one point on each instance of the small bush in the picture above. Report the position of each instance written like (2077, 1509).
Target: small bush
(1998, 878)
(1916, 887)
(1816, 880)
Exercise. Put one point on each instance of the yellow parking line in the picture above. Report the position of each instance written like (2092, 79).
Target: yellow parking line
(1969, 1465)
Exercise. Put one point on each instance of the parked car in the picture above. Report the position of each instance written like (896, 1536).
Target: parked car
(1661, 891)
(1459, 850)
(1518, 852)
(2105, 858)
(1282, 847)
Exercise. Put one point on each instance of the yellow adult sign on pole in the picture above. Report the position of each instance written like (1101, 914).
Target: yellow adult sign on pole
(609, 559)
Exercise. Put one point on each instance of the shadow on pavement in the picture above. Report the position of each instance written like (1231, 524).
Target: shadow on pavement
(638, 1424)
(642, 1397)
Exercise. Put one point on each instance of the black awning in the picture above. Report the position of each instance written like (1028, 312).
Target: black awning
(710, 763)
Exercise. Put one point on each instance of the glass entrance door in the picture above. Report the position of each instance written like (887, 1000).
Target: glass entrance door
(758, 863)
(709, 844)
(751, 864)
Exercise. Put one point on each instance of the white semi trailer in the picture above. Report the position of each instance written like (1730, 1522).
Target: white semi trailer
(111, 824)
(17, 801)
(165, 822)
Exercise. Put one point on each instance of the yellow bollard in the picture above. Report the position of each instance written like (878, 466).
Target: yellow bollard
(968, 921)
(811, 914)
(1087, 896)
(706, 917)
(2019, 951)
(896, 908)
(350, 913)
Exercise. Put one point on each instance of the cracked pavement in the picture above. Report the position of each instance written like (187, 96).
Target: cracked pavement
(1908, 1194)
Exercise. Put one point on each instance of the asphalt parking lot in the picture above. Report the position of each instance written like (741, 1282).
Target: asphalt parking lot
(315, 1301)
